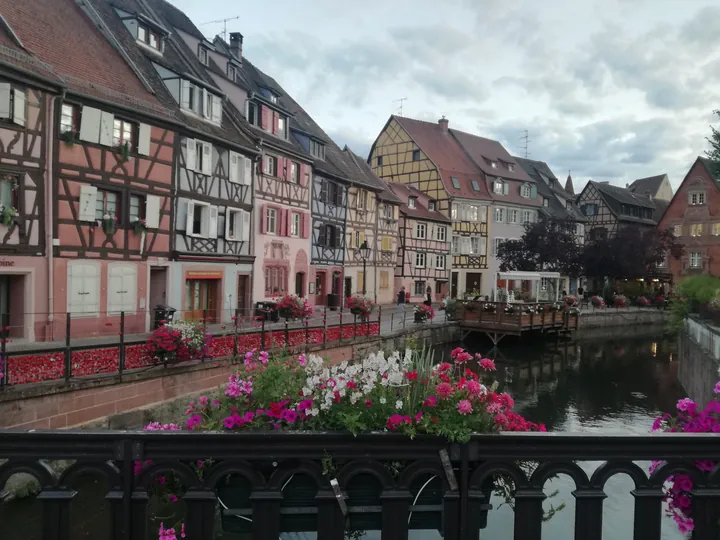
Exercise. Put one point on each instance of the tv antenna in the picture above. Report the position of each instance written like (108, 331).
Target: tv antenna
(400, 101)
(224, 22)
(526, 139)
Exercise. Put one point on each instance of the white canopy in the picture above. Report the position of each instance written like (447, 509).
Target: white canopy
(527, 276)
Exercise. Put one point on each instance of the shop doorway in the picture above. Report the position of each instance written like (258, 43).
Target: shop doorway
(473, 281)
(201, 299)
(12, 304)
(348, 287)
(454, 285)
(300, 284)
(320, 288)
(158, 287)
(243, 288)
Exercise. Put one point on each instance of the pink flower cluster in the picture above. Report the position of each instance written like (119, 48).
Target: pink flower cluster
(690, 418)
(170, 534)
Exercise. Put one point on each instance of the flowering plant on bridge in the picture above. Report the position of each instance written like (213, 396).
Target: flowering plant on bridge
(360, 305)
(690, 418)
(402, 392)
(424, 312)
(620, 301)
(597, 301)
(642, 301)
(178, 342)
(292, 306)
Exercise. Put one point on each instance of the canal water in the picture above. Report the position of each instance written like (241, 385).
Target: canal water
(596, 385)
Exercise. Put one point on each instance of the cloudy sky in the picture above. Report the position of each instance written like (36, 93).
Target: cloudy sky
(610, 89)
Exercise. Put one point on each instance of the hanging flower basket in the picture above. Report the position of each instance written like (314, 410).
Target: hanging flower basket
(139, 226)
(124, 151)
(293, 307)
(360, 305)
(109, 224)
(8, 215)
(70, 137)
(423, 313)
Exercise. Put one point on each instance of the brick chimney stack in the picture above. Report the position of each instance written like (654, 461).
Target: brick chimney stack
(236, 44)
(444, 124)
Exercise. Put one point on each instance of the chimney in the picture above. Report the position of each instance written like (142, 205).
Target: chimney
(444, 124)
(236, 43)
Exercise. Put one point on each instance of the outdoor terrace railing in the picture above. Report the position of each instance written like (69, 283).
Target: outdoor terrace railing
(334, 483)
(107, 343)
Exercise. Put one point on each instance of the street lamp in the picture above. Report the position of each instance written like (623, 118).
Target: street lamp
(365, 254)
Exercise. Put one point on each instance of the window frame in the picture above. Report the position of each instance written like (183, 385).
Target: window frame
(420, 255)
(514, 213)
(142, 206)
(475, 184)
(270, 163)
(440, 257)
(14, 190)
(124, 125)
(416, 155)
(455, 182)
(237, 237)
(443, 230)
(118, 204)
(498, 187)
(423, 229)
(74, 118)
(527, 217)
(412, 202)
(695, 259)
(294, 172)
(499, 214)
(696, 229)
(379, 161)
(148, 35)
(271, 211)
(525, 191)
(431, 206)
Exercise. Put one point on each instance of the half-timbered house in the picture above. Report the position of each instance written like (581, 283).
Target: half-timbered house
(368, 198)
(424, 253)
(25, 118)
(111, 166)
(426, 156)
(211, 265)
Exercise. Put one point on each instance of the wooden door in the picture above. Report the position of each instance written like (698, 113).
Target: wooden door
(242, 294)
(320, 288)
(201, 300)
(348, 287)
(454, 285)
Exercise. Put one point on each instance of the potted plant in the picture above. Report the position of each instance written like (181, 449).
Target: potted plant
(292, 306)
(397, 396)
(597, 301)
(489, 308)
(642, 301)
(109, 224)
(179, 341)
(8, 214)
(124, 151)
(570, 301)
(423, 313)
(360, 305)
(450, 308)
(70, 137)
(139, 226)
(620, 301)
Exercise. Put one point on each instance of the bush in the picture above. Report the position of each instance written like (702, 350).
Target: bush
(689, 295)
(178, 342)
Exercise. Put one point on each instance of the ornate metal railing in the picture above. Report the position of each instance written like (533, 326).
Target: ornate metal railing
(332, 484)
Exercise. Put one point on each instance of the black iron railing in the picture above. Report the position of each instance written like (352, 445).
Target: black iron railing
(332, 484)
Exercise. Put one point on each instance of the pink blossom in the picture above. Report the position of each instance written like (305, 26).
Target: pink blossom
(173, 498)
(464, 407)
(455, 352)
(290, 416)
(302, 360)
(264, 357)
(442, 368)
(430, 401)
(473, 387)
(304, 405)
(463, 357)
(229, 422)
(716, 390)
(686, 404)
(683, 482)
(487, 364)
(203, 401)
(368, 403)
(444, 390)
(194, 420)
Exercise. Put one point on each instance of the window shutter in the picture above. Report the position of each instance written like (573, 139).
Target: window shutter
(88, 197)
(430, 257)
(185, 95)
(227, 223)
(506, 187)
(245, 230)
(107, 121)
(216, 109)
(351, 243)
(492, 186)
(83, 285)
(90, 125)
(265, 117)
(370, 196)
(247, 175)
(207, 159)
(533, 192)
(396, 212)
(234, 168)
(306, 225)
(213, 222)
(19, 107)
(190, 218)
(283, 166)
(144, 139)
(362, 238)
(5, 90)
(483, 246)
(190, 158)
(276, 123)
(152, 212)
(263, 220)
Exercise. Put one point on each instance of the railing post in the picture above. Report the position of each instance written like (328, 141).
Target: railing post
(68, 351)
(235, 332)
(379, 320)
(325, 325)
(3, 352)
(287, 334)
(706, 513)
(528, 513)
(588, 513)
(56, 513)
(121, 351)
(262, 330)
(200, 514)
(341, 320)
(648, 513)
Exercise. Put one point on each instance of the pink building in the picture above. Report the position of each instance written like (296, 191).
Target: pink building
(424, 254)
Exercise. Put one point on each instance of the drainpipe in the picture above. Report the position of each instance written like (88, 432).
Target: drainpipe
(50, 148)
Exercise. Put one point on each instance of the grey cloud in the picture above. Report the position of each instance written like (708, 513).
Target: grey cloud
(703, 28)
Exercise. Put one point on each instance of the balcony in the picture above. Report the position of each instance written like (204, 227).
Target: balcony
(333, 483)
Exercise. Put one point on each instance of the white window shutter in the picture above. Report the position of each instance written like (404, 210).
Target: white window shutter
(247, 176)
(506, 187)
(216, 109)
(213, 222)
(483, 246)
(207, 159)
(5, 90)
(144, 139)
(203, 97)
(227, 224)
(19, 107)
(185, 95)
(90, 125)
(234, 168)
(245, 231)
(88, 198)
(152, 212)
(107, 121)
(190, 218)
(430, 260)
(190, 158)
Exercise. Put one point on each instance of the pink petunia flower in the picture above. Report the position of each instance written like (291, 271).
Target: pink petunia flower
(464, 407)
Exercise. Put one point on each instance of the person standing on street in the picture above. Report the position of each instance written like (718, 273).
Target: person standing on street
(428, 297)
(401, 299)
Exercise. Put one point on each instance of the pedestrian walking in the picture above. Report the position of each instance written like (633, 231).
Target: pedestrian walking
(428, 297)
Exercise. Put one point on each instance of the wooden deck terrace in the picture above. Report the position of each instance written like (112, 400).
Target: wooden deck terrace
(492, 318)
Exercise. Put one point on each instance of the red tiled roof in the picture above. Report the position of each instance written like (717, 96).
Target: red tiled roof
(481, 150)
(404, 192)
(58, 33)
(448, 155)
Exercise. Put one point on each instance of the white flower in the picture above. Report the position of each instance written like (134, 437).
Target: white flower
(398, 404)
(355, 397)
(306, 391)
(383, 400)
(314, 411)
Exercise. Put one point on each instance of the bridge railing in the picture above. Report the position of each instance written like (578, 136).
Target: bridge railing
(267, 485)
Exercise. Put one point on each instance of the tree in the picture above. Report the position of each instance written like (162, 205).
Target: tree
(548, 245)
(714, 153)
(633, 252)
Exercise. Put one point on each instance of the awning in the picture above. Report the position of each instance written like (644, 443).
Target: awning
(530, 276)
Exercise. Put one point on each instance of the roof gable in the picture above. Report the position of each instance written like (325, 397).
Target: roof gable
(484, 152)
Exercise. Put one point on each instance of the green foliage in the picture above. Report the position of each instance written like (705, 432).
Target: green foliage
(713, 154)
(690, 294)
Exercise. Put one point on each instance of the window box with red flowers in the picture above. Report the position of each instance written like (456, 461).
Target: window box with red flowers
(293, 307)
(360, 305)
(424, 312)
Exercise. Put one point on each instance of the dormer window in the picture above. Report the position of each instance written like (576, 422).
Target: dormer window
(281, 127)
(203, 55)
(317, 149)
(499, 187)
(412, 202)
(455, 182)
(511, 167)
(494, 164)
(475, 185)
(525, 191)
(149, 38)
(273, 98)
(268, 94)
(231, 72)
(201, 102)
(431, 206)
